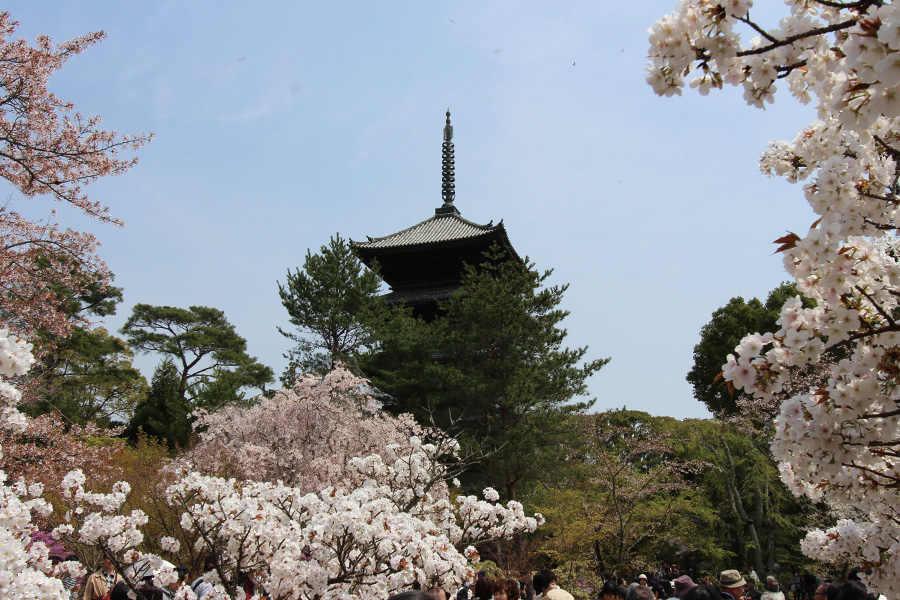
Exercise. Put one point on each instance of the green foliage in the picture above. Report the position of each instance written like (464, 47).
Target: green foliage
(733, 511)
(763, 522)
(509, 372)
(407, 366)
(164, 413)
(87, 376)
(491, 569)
(201, 343)
(332, 302)
(90, 378)
(623, 500)
(759, 521)
(492, 369)
(718, 338)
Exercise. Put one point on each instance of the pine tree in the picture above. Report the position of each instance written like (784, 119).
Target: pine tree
(331, 302)
(87, 376)
(493, 368)
(164, 414)
(201, 341)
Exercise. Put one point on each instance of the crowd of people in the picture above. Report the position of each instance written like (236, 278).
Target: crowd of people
(106, 583)
(665, 584)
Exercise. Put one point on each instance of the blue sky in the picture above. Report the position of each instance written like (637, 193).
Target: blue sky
(279, 124)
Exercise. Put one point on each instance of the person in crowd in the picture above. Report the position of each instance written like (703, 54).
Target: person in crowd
(772, 595)
(100, 582)
(484, 588)
(809, 585)
(683, 585)
(832, 589)
(72, 583)
(854, 590)
(732, 584)
(411, 595)
(750, 591)
(119, 592)
(827, 590)
(796, 584)
(772, 584)
(69, 582)
(513, 589)
(201, 588)
(506, 589)
(608, 592)
(248, 583)
(438, 593)
(640, 592)
(659, 591)
(640, 580)
(150, 591)
(171, 589)
(545, 585)
(703, 592)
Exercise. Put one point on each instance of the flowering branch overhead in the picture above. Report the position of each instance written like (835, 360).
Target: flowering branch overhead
(835, 438)
(46, 148)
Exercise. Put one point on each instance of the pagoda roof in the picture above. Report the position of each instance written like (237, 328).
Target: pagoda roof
(440, 229)
(434, 251)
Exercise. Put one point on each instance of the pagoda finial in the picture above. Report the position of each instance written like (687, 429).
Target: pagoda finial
(448, 176)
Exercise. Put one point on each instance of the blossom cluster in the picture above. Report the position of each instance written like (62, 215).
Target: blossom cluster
(837, 440)
(372, 524)
(23, 562)
(50, 149)
(304, 436)
(386, 521)
(376, 537)
(15, 359)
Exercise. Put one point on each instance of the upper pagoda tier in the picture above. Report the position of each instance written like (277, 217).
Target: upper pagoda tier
(424, 263)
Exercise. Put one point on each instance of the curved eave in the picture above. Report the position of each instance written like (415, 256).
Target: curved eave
(439, 228)
(383, 254)
(394, 243)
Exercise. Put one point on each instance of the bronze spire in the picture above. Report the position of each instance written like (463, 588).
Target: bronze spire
(448, 177)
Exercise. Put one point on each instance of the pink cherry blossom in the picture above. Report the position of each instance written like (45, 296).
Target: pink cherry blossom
(49, 149)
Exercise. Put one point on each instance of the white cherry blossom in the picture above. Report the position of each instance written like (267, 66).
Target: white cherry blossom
(837, 442)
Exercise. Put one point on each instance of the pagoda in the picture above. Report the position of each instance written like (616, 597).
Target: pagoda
(424, 264)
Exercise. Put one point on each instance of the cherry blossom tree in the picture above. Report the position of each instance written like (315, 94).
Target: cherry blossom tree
(24, 563)
(371, 540)
(838, 441)
(315, 452)
(303, 436)
(46, 450)
(389, 523)
(46, 148)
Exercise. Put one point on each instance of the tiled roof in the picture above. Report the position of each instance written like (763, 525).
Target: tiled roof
(439, 228)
